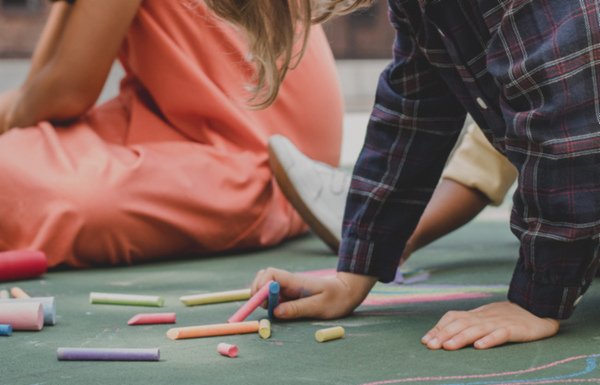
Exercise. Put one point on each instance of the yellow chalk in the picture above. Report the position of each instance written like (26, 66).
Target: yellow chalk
(329, 334)
(264, 328)
(222, 296)
(18, 293)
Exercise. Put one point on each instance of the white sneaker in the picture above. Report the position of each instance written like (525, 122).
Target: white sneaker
(316, 190)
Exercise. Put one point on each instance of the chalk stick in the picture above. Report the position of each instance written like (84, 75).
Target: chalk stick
(48, 305)
(4, 294)
(264, 328)
(152, 318)
(227, 350)
(5, 330)
(273, 298)
(213, 330)
(218, 297)
(107, 354)
(21, 264)
(22, 315)
(252, 304)
(18, 293)
(126, 299)
(329, 334)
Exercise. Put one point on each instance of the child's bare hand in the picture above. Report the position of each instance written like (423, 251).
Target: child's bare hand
(306, 296)
(488, 326)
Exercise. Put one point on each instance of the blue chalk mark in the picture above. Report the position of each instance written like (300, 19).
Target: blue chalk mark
(273, 298)
(591, 365)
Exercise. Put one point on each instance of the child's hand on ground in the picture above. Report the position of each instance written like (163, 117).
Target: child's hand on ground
(306, 296)
(488, 326)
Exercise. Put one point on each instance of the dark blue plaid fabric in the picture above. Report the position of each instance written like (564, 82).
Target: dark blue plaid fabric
(527, 72)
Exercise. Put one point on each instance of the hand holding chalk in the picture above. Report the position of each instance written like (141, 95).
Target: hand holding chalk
(306, 296)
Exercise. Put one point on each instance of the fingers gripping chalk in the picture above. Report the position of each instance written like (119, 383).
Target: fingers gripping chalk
(126, 299)
(223, 296)
(22, 315)
(21, 264)
(329, 334)
(152, 318)
(18, 293)
(96, 354)
(213, 330)
(48, 306)
(264, 328)
(5, 330)
(4, 294)
(252, 304)
(273, 298)
(227, 350)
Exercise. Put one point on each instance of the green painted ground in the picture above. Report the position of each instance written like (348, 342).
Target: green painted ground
(381, 343)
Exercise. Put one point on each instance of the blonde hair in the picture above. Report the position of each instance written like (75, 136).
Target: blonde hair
(271, 28)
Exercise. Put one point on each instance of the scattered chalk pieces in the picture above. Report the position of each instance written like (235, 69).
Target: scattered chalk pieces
(329, 334)
(227, 350)
(18, 265)
(252, 304)
(264, 328)
(107, 354)
(4, 294)
(5, 330)
(213, 330)
(219, 297)
(18, 293)
(273, 298)
(126, 299)
(152, 318)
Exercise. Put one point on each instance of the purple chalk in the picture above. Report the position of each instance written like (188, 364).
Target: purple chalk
(99, 354)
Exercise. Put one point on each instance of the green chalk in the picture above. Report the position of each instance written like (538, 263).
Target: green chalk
(126, 299)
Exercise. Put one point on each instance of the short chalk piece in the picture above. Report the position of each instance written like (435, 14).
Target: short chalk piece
(213, 330)
(252, 304)
(48, 305)
(273, 298)
(21, 264)
(18, 293)
(126, 299)
(227, 350)
(218, 297)
(152, 318)
(5, 330)
(4, 294)
(107, 354)
(329, 334)
(22, 315)
(264, 328)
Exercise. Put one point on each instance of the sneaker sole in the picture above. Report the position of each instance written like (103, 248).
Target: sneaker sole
(298, 203)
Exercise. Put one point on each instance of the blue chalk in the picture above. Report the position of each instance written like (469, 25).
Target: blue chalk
(5, 330)
(273, 298)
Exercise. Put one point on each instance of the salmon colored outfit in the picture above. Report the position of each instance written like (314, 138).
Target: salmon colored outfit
(175, 164)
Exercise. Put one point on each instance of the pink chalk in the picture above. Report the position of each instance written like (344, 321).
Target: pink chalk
(21, 264)
(227, 350)
(252, 304)
(22, 315)
(152, 318)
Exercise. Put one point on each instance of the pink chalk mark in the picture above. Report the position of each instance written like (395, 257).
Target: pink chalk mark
(443, 378)
(430, 298)
(563, 381)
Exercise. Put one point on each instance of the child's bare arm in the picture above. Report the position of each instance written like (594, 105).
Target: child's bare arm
(73, 63)
(306, 296)
(488, 326)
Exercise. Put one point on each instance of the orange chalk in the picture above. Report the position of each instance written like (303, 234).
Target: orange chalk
(227, 350)
(18, 293)
(213, 330)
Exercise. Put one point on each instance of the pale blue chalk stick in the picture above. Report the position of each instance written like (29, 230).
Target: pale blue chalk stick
(48, 305)
(273, 298)
(5, 330)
